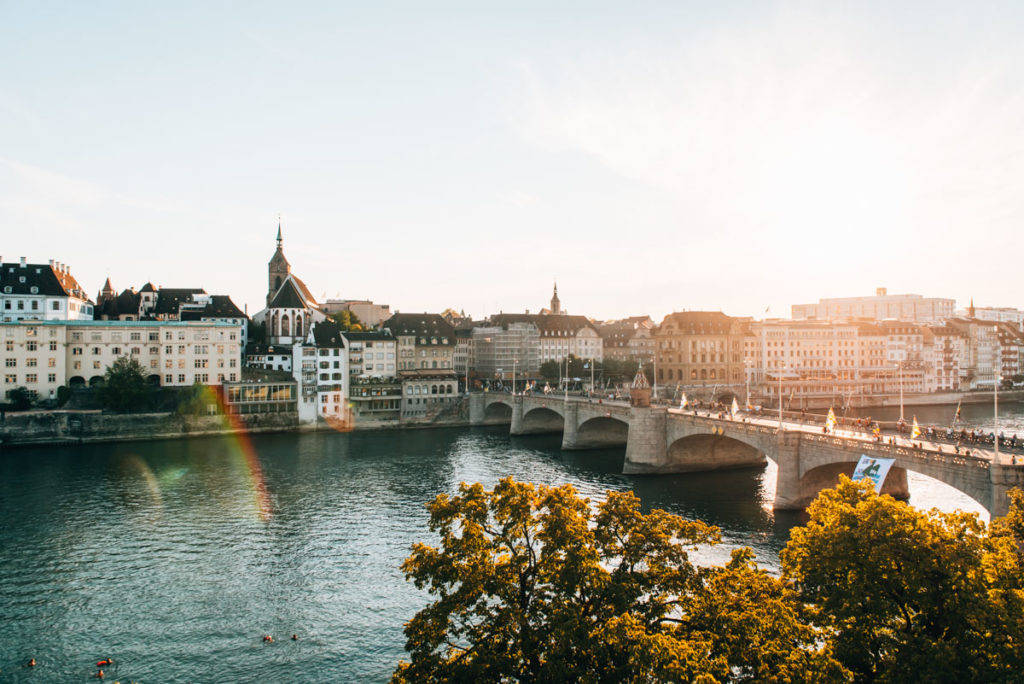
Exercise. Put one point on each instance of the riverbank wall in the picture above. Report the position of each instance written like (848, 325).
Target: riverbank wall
(40, 428)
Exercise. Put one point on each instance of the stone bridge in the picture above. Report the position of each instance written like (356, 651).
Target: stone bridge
(660, 440)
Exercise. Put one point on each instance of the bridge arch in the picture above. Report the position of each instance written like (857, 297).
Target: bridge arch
(541, 419)
(706, 451)
(963, 473)
(601, 431)
(497, 413)
(827, 476)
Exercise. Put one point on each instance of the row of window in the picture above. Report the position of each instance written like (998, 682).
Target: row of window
(30, 378)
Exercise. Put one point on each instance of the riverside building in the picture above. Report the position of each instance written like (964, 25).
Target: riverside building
(45, 355)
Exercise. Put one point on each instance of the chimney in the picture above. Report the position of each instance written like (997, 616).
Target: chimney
(880, 292)
(23, 262)
(51, 263)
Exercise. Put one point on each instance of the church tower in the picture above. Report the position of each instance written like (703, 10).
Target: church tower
(556, 306)
(278, 268)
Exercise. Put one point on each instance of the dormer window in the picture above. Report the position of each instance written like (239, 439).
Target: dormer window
(34, 289)
(21, 279)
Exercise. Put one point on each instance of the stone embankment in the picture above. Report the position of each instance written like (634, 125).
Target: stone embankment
(31, 428)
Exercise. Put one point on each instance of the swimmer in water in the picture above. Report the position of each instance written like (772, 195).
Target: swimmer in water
(104, 662)
(100, 675)
(268, 639)
(295, 637)
(32, 662)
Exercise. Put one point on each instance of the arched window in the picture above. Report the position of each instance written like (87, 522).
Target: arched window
(434, 364)
(714, 375)
(433, 389)
(693, 374)
(286, 328)
(298, 325)
(703, 373)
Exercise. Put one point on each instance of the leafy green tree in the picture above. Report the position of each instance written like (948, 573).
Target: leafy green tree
(533, 584)
(124, 386)
(194, 400)
(908, 596)
(549, 371)
(21, 398)
(347, 321)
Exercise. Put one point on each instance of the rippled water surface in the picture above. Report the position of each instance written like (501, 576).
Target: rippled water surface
(176, 557)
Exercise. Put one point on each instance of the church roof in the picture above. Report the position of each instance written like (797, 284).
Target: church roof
(148, 287)
(288, 296)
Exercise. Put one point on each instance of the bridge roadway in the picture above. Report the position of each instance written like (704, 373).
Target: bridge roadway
(668, 440)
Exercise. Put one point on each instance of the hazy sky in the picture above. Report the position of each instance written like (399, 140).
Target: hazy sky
(651, 156)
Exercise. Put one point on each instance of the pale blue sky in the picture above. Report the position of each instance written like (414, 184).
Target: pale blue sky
(653, 156)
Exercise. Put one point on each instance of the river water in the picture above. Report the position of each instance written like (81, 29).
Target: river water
(176, 557)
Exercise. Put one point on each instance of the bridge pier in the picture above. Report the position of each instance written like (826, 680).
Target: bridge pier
(517, 416)
(787, 487)
(570, 431)
(646, 448)
(1003, 478)
(477, 408)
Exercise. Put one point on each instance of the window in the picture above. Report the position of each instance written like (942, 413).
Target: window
(116, 351)
(168, 379)
(10, 345)
(181, 377)
(53, 344)
(30, 345)
(77, 365)
(10, 362)
(10, 379)
(136, 337)
(51, 362)
(51, 377)
(31, 363)
(95, 351)
(31, 378)
(96, 364)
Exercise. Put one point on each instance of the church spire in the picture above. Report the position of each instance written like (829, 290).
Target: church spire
(556, 307)
(279, 231)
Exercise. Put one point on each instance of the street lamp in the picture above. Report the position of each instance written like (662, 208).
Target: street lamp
(746, 376)
(514, 362)
(899, 370)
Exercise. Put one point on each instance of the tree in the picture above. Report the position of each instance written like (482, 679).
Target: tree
(347, 321)
(124, 386)
(549, 371)
(533, 584)
(194, 400)
(906, 595)
(21, 398)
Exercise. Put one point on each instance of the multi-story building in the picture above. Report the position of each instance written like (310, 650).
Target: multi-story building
(426, 351)
(906, 307)
(42, 292)
(560, 335)
(506, 350)
(372, 354)
(369, 314)
(331, 356)
(997, 314)
(44, 355)
(700, 348)
(628, 339)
